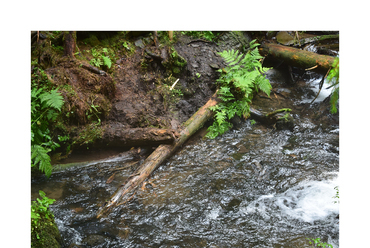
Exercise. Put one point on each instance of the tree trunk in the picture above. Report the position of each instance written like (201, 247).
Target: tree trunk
(158, 156)
(69, 43)
(298, 58)
(120, 137)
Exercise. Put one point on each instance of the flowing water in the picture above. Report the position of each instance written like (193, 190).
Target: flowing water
(252, 187)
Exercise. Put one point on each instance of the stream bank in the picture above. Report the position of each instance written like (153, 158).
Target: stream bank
(254, 186)
(120, 108)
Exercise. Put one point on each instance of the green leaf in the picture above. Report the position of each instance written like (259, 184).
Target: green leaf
(252, 44)
(107, 61)
(264, 85)
(39, 156)
(220, 117)
(238, 80)
(52, 99)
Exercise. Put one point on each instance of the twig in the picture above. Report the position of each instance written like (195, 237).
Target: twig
(321, 84)
(174, 84)
(312, 68)
(299, 43)
(276, 97)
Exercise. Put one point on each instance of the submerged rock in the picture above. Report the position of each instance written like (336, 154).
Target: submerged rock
(285, 122)
(94, 239)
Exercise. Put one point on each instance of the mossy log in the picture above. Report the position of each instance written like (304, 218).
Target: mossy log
(163, 152)
(126, 138)
(298, 58)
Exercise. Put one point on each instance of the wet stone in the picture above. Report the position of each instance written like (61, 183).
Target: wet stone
(139, 43)
(233, 204)
(94, 239)
(214, 66)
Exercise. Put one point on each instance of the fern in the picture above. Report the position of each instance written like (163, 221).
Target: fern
(52, 99)
(45, 108)
(333, 80)
(100, 59)
(237, 82)
(39, 155)
(107, 61)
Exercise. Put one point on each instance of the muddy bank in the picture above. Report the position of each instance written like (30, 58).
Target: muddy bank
(135, 92)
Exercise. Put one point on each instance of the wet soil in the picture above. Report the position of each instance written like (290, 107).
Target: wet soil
(135, 92)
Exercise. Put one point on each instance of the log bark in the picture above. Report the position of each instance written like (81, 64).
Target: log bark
(298, 58)
(93, 69)
(126, 138)
(158, 157)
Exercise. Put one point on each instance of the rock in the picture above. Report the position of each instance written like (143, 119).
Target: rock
(94, 240)
(139, 43)
(186, 107)
(236, 40)
(285, 122)
(284, 38)
(214, 66)
(236, 121)
(233, 204)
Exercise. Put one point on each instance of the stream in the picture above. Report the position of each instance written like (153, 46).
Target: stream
(252, 187)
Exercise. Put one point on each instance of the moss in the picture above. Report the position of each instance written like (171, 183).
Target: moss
(45, 233)
(88, 135)
(92, 41)
(175, 63)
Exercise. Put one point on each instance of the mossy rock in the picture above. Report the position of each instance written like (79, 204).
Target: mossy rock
(92, 41)
(285, 122)
(45, 233)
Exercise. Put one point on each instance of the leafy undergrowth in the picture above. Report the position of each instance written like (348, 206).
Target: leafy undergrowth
(44, 232)
(238, 81)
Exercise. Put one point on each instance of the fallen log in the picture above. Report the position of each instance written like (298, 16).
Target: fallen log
(158, 157)
(93, 69)
(120, 137)
(298, 58)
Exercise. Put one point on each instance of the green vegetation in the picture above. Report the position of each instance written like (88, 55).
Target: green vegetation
(333, 80)
(44, 232)
(93, 111)
(46, 104)
(318, 243)
(101, 58)
(238, 80)
(175, 62)
(89, 134)
(207, 35)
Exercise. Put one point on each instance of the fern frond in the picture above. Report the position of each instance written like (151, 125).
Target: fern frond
(39, 155)
(264, 84)
(252, 44)
(220, 117)
(231, 57)
(107, 61)
(52, 99)
(255, 53)
(224, 94)
(334, 100)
